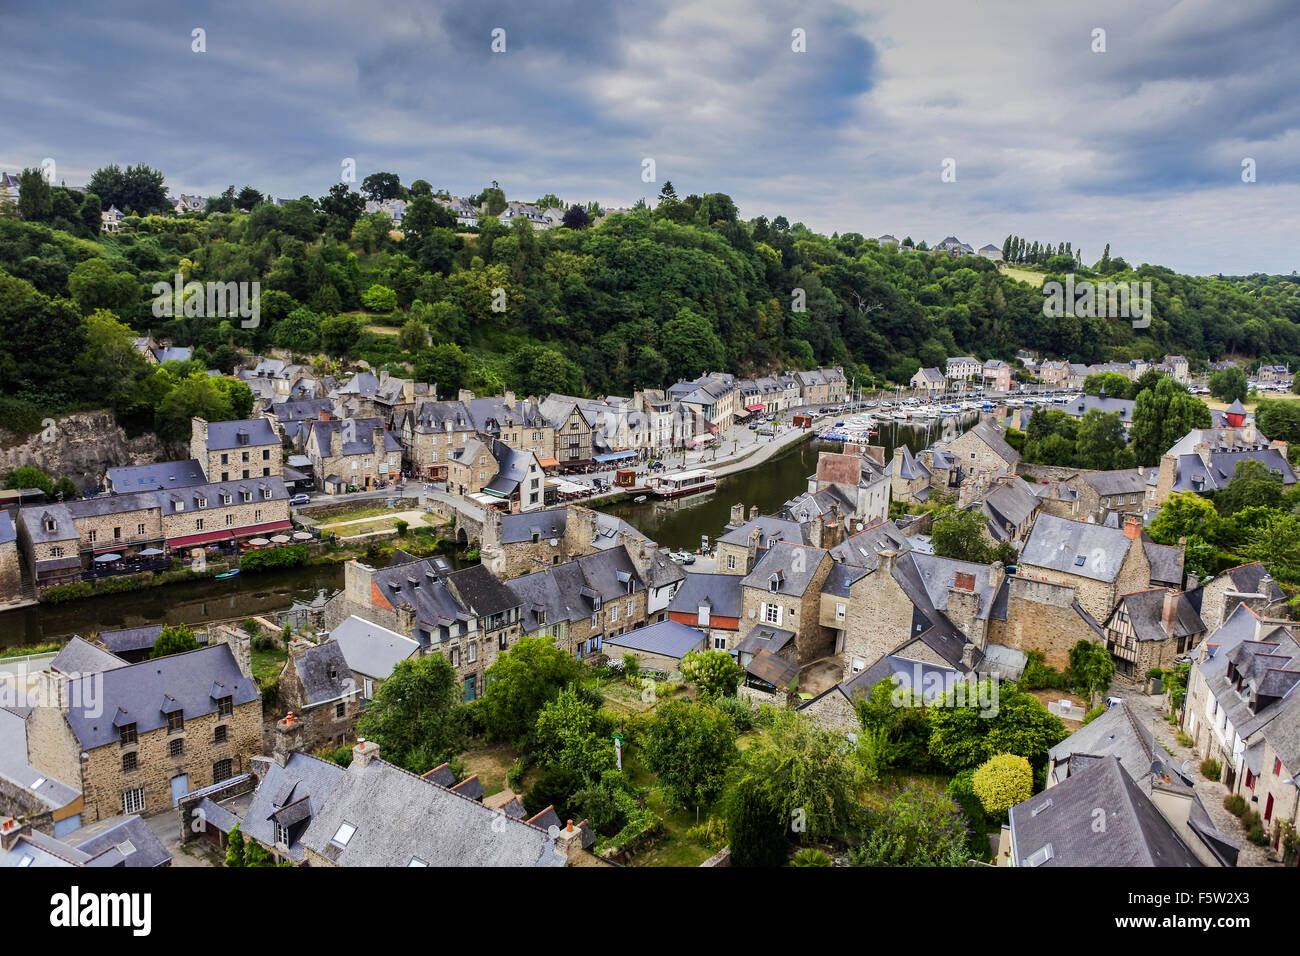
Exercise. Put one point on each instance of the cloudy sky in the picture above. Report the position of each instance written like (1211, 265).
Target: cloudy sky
(1141, 145)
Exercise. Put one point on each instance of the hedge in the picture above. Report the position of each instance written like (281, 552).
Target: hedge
(291, 556)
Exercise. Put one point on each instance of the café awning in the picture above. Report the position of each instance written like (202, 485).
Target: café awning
(755, 408)
(615, 456)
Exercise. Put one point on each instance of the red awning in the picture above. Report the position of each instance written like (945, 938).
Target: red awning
(207, 537)
(755, 408)
(548, 463)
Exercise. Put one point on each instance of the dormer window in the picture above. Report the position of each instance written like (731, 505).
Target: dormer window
(267, 494)
(49, 523)
(180, 505)
(203, 502)
(225, 498)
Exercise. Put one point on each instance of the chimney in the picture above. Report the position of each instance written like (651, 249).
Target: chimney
(240, 644)
(737, 514)
(288, 738)
(336, 443)
(568, 842)
(508, 397)
(753, 512)
(751, 548)
(1133, 527)
(364, 752)
(885, 559)
(298, 647)
(10, 831)
(964, 606)
(378, 443)
(464, 395)
(1169, 612)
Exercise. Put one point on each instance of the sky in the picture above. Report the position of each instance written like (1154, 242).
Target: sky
(1052, 131)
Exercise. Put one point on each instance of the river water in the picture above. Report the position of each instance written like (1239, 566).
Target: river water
(677, 524)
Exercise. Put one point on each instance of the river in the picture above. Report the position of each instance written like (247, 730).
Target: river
(677, 524)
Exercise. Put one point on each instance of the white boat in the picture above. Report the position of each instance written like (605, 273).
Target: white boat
(685, 483)
(638, 499)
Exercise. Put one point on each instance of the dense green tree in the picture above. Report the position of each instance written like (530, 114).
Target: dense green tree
(339, 334)
(94, 285)
(173, 639)
(40, 338)
(380, 186)
(1101, 444)
(35, 202)
(1253, 485)
(445, 366)
(1185, 514)
(571, 732)
(1229, 384)
(519, 684)
(1161, 417)
(135, 190)
(691, 747)
(757, 827)
(1279, 419)
(29, 476)
(691, 345)
(576, 217)
(416, 716)
(964, 734)
(1093, 669)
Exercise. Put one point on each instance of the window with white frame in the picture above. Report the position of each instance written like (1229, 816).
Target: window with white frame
(133, 800)
(840, 611)
(772, 613)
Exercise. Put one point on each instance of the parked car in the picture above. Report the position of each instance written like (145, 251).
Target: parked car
(300, 499)
(681, 557)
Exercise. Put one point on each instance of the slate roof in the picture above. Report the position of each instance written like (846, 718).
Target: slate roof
(15, 768)
(166, 474)
(667, 638)
(1058, 543)
(992, 436)
(481, 591)
(81, 657)
(552, 522)
(131, 638)
(1250, 579)
(861, 549)
(763, 637)
(1264, 655)
(223, 435)
(1192, 473)
(315, 667)
(723, 593)
(130, 836)
(842, 578)
(372, 650)
(1105, 404)
(1146, 609)
(131, 694)
(931, 681)
(770, 531)
(1125, 481)
(1119, 732)
(7, 532)
(401, 818)
(909, 467)
(361, 431)
(795, 564)
(1009, 503)
(1166, 563)
(304, 783)
(1064, 818)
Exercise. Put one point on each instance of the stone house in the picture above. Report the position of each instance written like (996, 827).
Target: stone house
(321, 692)
(784, 591)
(929, 380)
(741, 548)
(356, 452)
(716, 400)
(233, 450)
(135, 738)
(712, 603)
(1054, 373)
(1242, 710)
(1151, 628)
(1249, 584)
(1031, 614)
(11, 574)
(984, 450)
(584, 602)
(1103, 493)
(1100, 563)
(521, 425)
(515, 544)
(997, 376)
(963, 368)
(823, 386)
(370, 653)
(910, 480)
(430, 432)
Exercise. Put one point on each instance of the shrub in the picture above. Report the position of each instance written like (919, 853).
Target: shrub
(290, 556)
(1184, 739)
(711, 833)
(1211, 769)
(556, 788)
(401, 527)
(264, 642)
(1093, 714)
(1235, 804)
(812, 857)
(962, 789)
(1003, 781)
(1251, 819)
(755, 828)
(739, 709)
(1257, 835)
(342, 756)
(1038, 675)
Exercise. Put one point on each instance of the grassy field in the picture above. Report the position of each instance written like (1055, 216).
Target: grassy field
(371, 512)
(268, 664)
(491, 764)
(1028, 276)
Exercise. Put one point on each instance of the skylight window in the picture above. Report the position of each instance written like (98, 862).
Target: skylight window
(1039, 857)
(1078, 560)
(416, 861)
(343, 835)
(27, 861)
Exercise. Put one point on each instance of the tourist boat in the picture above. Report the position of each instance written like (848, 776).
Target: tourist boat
(685, 483)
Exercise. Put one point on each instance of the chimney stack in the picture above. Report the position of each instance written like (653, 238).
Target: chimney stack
(1169, 612)
(288, 738)
(885, 560)
(1133, 527)
(737, 514)
(10, 831)
(753, 512)
(568, 842)
(364, 752)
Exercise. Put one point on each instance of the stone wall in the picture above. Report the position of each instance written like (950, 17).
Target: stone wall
(1041, 617)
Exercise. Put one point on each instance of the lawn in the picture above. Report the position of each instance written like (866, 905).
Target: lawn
(1034, 279)
(268, 664)
(491, 764)
(676, 848)
(371, 512)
